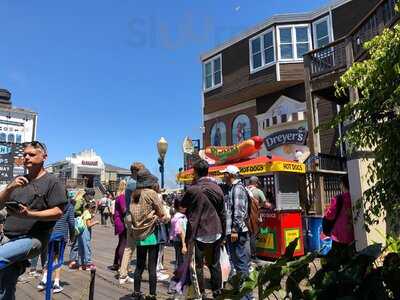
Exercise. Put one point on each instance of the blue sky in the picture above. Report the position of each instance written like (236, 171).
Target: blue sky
(117, 75)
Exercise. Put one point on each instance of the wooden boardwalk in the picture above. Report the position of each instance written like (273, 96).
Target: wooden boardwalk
(76, 283)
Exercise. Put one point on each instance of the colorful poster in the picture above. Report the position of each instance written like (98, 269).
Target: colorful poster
(218, 134)
(241, 129)
(267, 240)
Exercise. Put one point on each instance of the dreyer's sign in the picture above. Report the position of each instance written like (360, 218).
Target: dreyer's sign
(285, 137)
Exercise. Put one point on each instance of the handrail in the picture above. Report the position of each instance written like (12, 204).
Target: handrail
(330, 45)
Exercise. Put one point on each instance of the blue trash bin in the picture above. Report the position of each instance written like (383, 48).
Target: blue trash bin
(314, 241)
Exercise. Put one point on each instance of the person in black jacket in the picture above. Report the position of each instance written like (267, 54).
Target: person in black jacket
(204, 201)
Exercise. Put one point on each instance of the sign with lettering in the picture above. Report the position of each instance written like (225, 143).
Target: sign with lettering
(89, 163)
(6, 162)
(291, 235)
(285, 137)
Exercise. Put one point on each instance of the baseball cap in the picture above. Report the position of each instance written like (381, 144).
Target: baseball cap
(231, 170)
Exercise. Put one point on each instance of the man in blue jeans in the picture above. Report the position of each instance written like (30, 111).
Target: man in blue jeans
(237, 232)
(34, 202)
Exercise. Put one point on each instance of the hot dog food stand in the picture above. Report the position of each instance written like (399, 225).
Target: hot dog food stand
(283, 224)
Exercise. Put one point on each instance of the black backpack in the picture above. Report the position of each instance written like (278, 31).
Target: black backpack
(327, 225)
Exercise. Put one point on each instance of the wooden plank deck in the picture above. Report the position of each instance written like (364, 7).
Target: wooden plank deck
(76, 283)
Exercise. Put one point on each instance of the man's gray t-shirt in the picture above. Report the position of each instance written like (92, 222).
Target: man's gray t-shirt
(40, 194)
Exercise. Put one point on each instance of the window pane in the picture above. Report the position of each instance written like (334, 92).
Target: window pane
(208, 69)
(286, 51)
(257, 61)
(3, 137)
(18, 138)
(217, 78)
(285, 35)
(274, 120)
(268, 41)
(269, 55)
(301, 50)
(284, 118)
(301, 34)
(208, 81)
(323, 42)
(217, 64)
(256, 45)
(322, 29)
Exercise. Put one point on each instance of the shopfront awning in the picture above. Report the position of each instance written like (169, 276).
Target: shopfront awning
(257, 166)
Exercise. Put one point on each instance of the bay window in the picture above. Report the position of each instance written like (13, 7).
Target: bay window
(262, 52)
(322, 32)
(294, 41)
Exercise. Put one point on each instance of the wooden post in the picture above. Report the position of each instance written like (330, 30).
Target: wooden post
(313, 141)
(92, 283)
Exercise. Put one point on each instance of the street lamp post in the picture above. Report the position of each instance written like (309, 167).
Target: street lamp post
(162, 147)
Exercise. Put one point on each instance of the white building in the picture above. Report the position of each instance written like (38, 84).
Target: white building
(87, 167)
(17, 125)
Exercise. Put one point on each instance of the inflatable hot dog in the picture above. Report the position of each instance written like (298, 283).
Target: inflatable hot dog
(234, 153)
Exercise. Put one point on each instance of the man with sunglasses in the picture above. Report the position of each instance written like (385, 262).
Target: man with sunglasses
(34, 202)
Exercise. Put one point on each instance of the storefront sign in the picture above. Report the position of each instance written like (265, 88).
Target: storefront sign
(188, 146)
(285, 137)
(291, 235)
(256, 169)
(89, 163)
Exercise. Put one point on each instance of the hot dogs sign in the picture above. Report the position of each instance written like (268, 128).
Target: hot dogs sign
(234, 153)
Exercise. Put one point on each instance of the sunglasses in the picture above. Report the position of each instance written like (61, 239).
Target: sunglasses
(37, 144)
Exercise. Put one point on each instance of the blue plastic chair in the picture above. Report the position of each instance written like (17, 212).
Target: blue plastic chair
(58, 237)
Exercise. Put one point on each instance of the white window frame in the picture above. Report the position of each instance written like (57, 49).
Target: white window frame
(263, 64)
(330, 31)
(213, 85)
(294, 41)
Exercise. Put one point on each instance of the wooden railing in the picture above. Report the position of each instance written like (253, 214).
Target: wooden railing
(329, 58)
(334, 56)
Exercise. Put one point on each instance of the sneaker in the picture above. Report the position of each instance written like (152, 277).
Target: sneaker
(57, 288)
(126, 279)
(89, 267)
(34, 274)
(162, 277)
(73, 265)
(41, 286)
(137, 296)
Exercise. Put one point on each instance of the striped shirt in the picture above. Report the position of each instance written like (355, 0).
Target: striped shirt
(66, 224)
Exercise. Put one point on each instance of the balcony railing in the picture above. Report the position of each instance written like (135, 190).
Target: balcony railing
(329, 58)
(333, 56)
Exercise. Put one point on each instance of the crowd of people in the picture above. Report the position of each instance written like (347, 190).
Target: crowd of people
(207, 224)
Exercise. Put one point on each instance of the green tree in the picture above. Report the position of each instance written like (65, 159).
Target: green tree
(375, 123)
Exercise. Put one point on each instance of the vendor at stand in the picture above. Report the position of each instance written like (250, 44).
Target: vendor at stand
(254, 188)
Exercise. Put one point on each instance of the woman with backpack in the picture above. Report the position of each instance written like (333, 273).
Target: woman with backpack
(145, 210)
